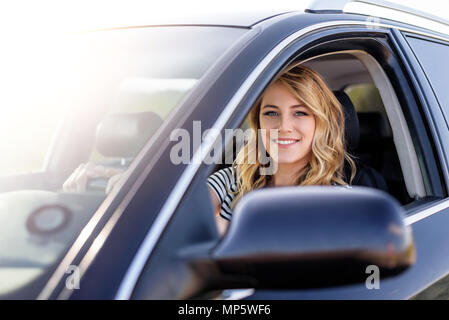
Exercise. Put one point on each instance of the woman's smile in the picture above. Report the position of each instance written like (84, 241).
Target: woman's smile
(286, 142)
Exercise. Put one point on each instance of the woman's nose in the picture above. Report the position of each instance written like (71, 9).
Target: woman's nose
(285, 124)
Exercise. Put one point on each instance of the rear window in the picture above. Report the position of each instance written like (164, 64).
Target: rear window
(432, 56)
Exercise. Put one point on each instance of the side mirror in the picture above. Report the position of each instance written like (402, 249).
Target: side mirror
(312, 237)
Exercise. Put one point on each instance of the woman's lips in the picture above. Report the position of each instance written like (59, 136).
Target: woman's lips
(284, 143)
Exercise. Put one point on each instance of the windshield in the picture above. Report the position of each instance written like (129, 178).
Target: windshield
(89, 101)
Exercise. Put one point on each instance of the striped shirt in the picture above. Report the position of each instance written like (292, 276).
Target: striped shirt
(224, 183)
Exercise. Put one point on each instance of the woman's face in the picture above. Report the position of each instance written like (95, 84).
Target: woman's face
(293, 122)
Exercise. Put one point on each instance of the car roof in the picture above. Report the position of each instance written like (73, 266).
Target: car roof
(230, 18)
(206, 16)
(229, 15)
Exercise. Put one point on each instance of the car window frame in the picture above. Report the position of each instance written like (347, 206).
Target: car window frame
(419, 59)
(431, 112)
(426, 97)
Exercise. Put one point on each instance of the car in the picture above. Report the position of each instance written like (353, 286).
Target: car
(126, 98)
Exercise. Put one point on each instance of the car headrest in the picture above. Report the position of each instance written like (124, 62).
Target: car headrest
(352, 130)
(124, 135)
(373, 127)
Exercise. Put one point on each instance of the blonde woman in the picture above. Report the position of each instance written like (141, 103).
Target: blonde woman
(304, 122)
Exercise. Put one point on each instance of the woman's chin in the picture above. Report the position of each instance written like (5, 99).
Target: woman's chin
(283, 160)
(289, 159)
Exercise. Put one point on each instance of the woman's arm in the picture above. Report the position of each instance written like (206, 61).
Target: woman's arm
(222, 224)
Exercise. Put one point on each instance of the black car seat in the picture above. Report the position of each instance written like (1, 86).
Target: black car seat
(377, 149)
(365, 175)
(120, 137)
(373, 136)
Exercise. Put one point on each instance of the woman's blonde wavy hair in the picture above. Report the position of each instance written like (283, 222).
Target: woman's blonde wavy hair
(328, 145)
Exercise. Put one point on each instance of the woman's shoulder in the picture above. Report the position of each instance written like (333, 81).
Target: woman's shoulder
(225, 176)
(228, 171)
(223, 184)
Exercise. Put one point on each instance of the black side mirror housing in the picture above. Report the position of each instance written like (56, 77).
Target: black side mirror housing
(312, 237)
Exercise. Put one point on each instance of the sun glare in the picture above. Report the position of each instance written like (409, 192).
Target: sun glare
(37, 64)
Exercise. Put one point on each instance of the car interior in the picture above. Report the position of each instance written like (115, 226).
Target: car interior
(377, 135)
(346, 72)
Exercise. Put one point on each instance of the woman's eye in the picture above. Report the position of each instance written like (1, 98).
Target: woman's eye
(300, 113)
(270, 113)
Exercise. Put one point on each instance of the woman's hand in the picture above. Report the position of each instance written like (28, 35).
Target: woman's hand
(113, 182)
(77, 182)
(222, 224)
